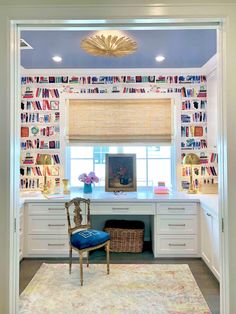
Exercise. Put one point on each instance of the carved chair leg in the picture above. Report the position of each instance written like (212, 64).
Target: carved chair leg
(88, 259)
(108, 257)
(81, 268)
(70, 259)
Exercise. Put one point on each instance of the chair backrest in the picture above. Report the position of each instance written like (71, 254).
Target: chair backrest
(79, 209)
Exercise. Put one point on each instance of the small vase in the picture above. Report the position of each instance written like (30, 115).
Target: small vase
(87, 188)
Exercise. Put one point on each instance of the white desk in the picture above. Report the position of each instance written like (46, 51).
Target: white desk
(174, 220)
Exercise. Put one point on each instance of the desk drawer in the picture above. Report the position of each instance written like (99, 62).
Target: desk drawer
(47, 245)
(46, 209)
(176, 224)
(47, 225)
(123, 208)
(177, 245)
(177, 208)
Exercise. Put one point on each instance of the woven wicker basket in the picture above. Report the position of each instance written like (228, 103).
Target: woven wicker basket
(126, 240)
(126, 236)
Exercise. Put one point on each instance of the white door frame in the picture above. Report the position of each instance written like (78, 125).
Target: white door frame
(15, 127)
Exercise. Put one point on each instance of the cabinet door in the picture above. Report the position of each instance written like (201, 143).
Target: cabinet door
(215, 248)
(206, 238)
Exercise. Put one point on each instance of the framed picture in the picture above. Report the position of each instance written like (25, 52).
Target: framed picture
(120, 172)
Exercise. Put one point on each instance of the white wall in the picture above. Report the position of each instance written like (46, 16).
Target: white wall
(122, 10)
(168, 89)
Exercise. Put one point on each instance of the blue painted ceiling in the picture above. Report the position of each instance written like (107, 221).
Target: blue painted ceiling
(182, 49)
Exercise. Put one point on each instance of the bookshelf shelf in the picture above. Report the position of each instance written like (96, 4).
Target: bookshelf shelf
(40, 136)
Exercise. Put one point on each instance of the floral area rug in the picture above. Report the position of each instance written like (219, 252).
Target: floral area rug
(130, 288)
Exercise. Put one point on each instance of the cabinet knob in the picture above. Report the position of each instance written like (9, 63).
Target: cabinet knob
(177, 244)
(120, 208)
(56, 244)
(176, 225)
(176, 208)
(56, 225)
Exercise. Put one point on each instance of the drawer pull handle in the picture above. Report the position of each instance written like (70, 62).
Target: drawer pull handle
(209, 215)
(56, 244)
(51, 208)
(54, 225)
(176, 208)
(177, 244)
(120, 208)
(176, 225)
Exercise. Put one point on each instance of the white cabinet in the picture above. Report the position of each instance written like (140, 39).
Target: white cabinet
(46, 230)
(206, 229)
(175, 230)
(210, 241)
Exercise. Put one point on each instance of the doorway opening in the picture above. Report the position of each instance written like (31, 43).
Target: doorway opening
(44, 75)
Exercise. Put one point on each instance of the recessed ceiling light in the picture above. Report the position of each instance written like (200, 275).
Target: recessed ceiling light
(160, 58)
(57, 58)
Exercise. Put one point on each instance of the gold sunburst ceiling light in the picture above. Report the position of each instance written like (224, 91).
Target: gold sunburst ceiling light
(110, 45)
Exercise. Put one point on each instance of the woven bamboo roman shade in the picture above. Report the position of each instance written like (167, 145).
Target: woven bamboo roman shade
(119, 121)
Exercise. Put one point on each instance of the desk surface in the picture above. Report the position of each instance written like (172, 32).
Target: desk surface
(208, 201)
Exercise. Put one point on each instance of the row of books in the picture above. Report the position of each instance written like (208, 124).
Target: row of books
(196, 184)
(199, 170)
(46, 93)
(29, 117)
(37, 183)
(214, 157)
(114, 79)
(190, 131)
(209, 170)
(49, 131)
(29, 171)
(55, 158)
(39, 171)
(39, 144)
(40, 118)
(41, 92)
(133, 90)
(193, 92)
(194, 104)
(44, 131)
(45, 104)
(30, 184)
(94, 90)
(194, 144)
(115, 89)
(200, 116)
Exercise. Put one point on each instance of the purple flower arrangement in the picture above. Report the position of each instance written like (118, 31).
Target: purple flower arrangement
(88, 178)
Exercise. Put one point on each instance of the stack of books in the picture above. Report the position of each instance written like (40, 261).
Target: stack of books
(161, 188)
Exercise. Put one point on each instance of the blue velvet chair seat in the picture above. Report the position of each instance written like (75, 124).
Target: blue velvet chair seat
(88, 238)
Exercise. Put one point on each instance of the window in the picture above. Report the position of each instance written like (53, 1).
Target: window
(153, 163)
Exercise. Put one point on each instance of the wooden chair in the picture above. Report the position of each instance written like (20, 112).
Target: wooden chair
(82, 238)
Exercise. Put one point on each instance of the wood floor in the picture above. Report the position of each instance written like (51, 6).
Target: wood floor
(206, 281)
